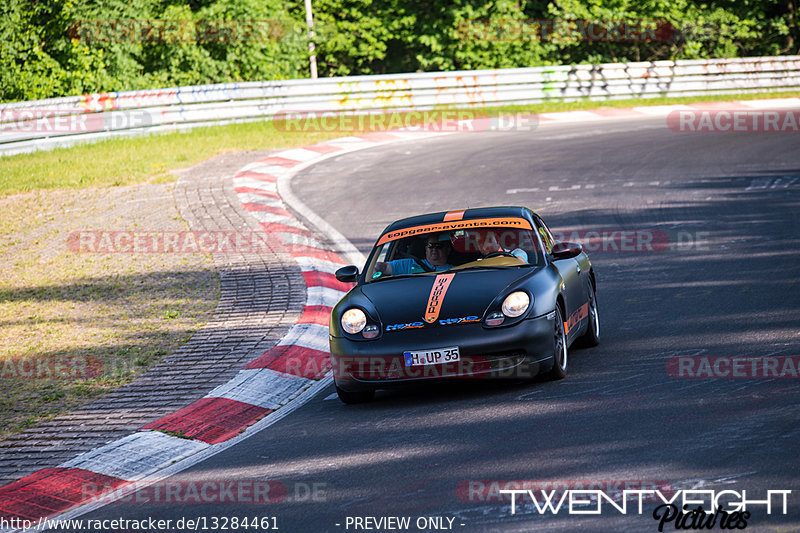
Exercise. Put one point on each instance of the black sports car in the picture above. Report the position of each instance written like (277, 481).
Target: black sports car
(476, 293)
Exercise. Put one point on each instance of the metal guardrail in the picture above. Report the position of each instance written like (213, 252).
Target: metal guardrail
(45, 124)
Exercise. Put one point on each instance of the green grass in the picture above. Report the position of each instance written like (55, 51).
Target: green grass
(151, 158)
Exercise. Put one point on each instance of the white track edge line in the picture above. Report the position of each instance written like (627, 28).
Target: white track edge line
(143, 481)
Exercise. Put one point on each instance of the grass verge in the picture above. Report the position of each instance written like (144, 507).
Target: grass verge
(75, 326)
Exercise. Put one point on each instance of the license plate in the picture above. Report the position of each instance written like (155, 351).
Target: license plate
(436, 356)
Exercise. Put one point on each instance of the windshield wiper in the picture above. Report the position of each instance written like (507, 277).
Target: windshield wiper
(398, 276)
(492, 267)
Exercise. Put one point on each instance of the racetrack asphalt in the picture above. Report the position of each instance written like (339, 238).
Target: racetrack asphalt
(726, 286)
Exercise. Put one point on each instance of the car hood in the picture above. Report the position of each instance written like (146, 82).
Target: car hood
(469, 293)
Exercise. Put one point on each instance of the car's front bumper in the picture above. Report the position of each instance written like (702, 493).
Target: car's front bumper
(518, 351)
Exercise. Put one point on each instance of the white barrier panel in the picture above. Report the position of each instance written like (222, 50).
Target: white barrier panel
(45, 124)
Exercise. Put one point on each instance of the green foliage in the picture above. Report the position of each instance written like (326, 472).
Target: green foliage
(68, 47)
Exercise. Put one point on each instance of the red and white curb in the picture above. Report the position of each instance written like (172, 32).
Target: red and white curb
(276, 382)
(271, 385)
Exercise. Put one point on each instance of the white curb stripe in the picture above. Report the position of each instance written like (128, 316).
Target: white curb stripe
(272, 170)
(314, 336)
(262, 387)
(323, 296)
(572, 116)
(265, 217)
(291, 239)
(300, 155)
(777, 103)
(269, 186)
(255, 198)
(255, 166)
(350, 142)
(312, 264)
(137, 455)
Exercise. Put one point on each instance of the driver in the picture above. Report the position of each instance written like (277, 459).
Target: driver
(437, 251)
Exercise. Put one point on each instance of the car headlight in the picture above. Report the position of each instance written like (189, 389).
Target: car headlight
(515, 304)
(354, 320)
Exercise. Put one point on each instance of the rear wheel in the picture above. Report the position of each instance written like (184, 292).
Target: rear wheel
(349, 397)
(559, 370)
(592, 335)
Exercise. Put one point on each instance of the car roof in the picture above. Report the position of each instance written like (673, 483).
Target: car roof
(462, 214)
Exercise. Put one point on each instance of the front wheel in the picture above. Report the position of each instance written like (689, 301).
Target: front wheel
(592, 335)
(349, 397)
(559, 370)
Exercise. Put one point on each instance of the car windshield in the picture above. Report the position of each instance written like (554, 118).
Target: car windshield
(440, 251)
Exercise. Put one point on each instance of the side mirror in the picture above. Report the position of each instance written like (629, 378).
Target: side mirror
(566, 250)
(347, 274)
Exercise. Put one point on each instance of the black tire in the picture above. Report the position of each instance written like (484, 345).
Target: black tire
(559, 370)
(350, 398)
(592, 335)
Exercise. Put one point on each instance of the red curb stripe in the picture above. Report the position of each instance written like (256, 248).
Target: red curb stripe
(211, 420)
(315, 278)
(315, 314)
(279, 161)
(249, 206)
(378, 136)
(254, 190)
(300, 250)
(256, 176)
(295, 360)
(277, 227)
(322, 148)
(52, 490)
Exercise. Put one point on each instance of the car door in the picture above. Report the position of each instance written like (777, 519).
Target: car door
(574, 276)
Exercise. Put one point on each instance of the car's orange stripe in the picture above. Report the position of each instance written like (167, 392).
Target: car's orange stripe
(576, 316)
(454, 215)
(454, 225)
(439, 289)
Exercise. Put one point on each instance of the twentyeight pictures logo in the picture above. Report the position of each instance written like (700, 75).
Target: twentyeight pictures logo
(683, 509)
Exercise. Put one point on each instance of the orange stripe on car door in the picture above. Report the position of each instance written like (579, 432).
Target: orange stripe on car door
(439, 289)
